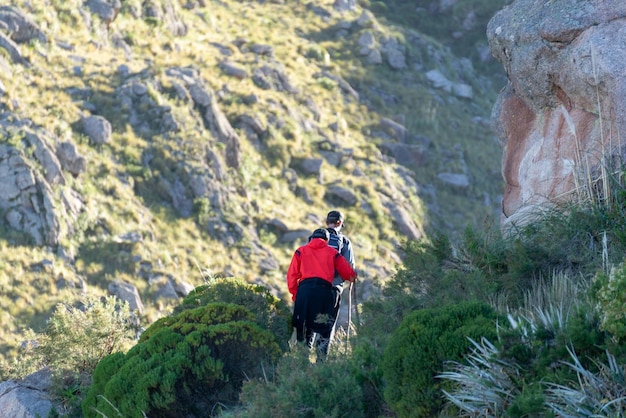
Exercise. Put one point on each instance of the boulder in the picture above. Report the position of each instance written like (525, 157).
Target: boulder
(343, 194)
(563, 111)
(106, 10)
(28, 397)
(70, 159)
(21, 28)
(345, 5)
(33, 195)
(128, 293)
(234, 70)
(12, 49)
(97, 128)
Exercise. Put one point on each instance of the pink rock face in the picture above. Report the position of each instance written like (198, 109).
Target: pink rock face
(562, 116)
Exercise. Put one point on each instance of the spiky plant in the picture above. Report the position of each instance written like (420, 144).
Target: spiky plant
(484, 384)
(503, 380)
(600, 394)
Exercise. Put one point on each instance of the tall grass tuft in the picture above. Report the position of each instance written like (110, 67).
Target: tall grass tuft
(503, 378)
(599, 394)
(485, 384)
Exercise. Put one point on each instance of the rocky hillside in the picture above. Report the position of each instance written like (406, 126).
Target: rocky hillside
(150, 145)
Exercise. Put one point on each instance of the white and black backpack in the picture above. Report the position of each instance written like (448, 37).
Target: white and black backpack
(335, 240)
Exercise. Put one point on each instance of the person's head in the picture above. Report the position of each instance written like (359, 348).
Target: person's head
(320, 233)
(334, 219)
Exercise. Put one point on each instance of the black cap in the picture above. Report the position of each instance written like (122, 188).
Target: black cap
(334, 216)
(321, 233)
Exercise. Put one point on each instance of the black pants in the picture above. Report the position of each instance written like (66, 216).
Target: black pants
(314, 312)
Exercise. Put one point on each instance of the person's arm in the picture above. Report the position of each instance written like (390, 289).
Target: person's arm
(293, 275)
(344, 268)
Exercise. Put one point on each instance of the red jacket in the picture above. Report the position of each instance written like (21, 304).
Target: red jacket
(317, 259)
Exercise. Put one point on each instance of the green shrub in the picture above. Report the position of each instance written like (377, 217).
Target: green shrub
(185, 364)
(610, 293)
(302, 389)
(73, 342)
(77, 338)
(270, 312)
(419, 347)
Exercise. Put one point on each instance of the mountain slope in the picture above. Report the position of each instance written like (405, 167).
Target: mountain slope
(147, 146)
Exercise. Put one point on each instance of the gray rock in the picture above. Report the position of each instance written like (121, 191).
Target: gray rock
(183, 288)
(11, 47)
(106, 10)
(129, 293)
(268, 264)
(408, 155)
(396, 59)
(342, 193)
(278, 224)
(375, 57)
(70, 159)
(260, 49)
(297, 235)
(232, 69)
(367, 19)
(367, 40)
(28, 397)
(98, 129)
(457, 180)
(273, 77)
(395, 129)
(163, 287)
(345, 5)
(254, 123)
(45, 155)
(404, 222)
(309, 166)
(21, 28)
(462, 90)
(27, 197)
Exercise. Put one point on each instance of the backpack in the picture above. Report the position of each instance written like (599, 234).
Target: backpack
(335, 240)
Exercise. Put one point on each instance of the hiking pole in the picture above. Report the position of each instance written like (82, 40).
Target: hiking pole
(349, 314)
(356, 304)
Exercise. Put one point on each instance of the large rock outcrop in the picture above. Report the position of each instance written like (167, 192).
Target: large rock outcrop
(563, 112)
(28, 397)
(34, 197)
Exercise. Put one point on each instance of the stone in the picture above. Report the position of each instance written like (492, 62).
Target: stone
(344, 194)
(564, 107)
(232, 69)
(98, 129)
(28, 397)
(21, 28)
(70, 159)
(396, 59)
(129, 293)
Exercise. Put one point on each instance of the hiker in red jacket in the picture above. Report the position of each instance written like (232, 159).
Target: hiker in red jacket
(309, 279)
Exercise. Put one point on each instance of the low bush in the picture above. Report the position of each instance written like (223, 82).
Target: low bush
(74, 341)
(189, 363)
(269, 312)
(610, 293)
(419, 347)
(302, 389)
